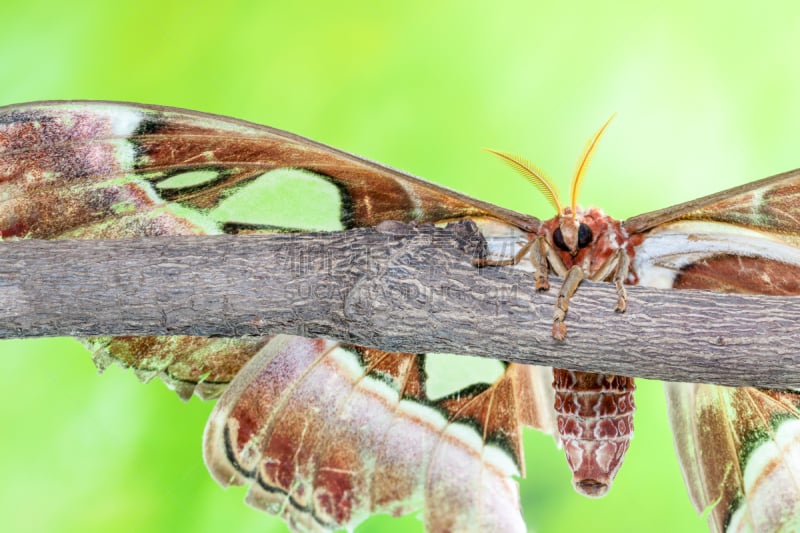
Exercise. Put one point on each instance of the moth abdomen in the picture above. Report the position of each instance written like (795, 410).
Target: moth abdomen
(594, 419)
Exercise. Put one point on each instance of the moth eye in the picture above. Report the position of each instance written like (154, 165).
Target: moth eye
(584, 236)
(558, 240)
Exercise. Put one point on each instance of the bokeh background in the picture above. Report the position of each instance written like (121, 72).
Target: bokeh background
(707, 96)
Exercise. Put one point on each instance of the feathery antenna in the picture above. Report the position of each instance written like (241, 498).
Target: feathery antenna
(531, 173)
(583, 162)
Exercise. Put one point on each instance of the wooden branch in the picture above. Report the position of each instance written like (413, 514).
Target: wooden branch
(400, 288)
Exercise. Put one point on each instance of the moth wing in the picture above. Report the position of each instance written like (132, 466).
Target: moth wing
(538, 411)
(92, 170)
(772, 202)
(188, 365)
(105, 170)
(89, 168)
(744, 240)
(739, 449)
(327, 434)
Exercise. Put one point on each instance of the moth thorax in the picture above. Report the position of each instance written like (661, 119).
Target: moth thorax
(594, 418)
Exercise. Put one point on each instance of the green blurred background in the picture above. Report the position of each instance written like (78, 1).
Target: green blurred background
(707, 95)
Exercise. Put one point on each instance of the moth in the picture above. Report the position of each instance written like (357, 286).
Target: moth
(326, 434)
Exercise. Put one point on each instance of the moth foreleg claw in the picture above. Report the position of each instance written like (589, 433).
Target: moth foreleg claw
(559, 330)
(540, 282)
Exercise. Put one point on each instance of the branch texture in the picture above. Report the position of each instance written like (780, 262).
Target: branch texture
(398, 288)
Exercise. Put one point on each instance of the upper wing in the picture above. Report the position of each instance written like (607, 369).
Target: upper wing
(739, 448)
(772, 202)
(86, 169)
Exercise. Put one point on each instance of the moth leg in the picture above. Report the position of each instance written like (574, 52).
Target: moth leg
(573, 278)
(619, 279)
(483, 262)
(619, 264)
(554, 260)
(543, 257)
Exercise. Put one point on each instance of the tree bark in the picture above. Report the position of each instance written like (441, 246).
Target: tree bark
(398, 288)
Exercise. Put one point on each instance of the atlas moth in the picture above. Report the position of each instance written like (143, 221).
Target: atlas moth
(320, 430)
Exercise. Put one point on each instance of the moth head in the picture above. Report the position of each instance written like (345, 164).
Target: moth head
(572, 234)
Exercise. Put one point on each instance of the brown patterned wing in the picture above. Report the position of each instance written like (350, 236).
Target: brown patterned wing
(324, 434)
(101, 169)
(771, 203)
(739, 447)
(744, 240)
(187, 365)
(93, 168)
(327, 434)
(740, 453)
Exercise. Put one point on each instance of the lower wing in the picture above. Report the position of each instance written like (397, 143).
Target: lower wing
(327, 434)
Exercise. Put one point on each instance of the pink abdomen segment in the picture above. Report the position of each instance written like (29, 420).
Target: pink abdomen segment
(594, 417)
